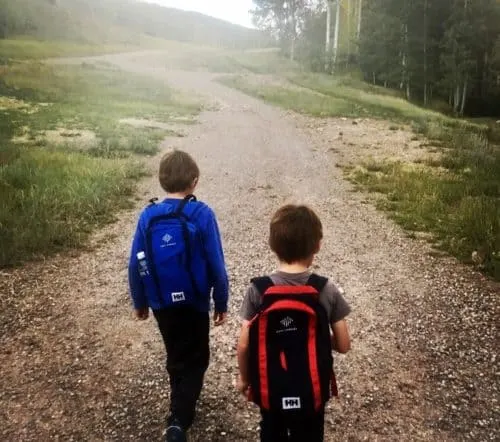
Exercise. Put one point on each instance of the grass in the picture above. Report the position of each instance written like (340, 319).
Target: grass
(52, 200)
(297, 99)
(198, 58)
(456, 196)
(53, 193)
(31, 49)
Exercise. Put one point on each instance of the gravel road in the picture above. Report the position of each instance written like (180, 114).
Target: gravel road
(77, 366)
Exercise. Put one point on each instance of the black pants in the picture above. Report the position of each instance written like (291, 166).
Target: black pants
(274, 427)
(185, 333)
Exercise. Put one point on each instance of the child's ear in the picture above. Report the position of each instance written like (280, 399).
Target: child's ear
(195, 182)
(318, 247)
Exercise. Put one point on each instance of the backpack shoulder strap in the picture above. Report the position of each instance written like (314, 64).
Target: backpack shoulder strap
(318, 282)
(262, 283)
(183, 203)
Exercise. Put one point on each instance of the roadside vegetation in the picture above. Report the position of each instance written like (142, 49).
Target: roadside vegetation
(455, 196)
(442, 55)
(70, 149)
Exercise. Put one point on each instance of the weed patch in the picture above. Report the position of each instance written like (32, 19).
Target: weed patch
(458, 202)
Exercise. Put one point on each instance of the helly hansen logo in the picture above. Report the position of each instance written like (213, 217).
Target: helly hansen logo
(287, 325)
(291, 403)
(167, 240)
(178, 297)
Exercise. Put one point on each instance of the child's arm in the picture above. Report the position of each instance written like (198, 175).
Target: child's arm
(341, 341)
(243, 381)
(217, 266)
(136, 285)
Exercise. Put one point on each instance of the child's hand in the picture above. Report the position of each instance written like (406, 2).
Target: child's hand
(219, 318)
(142, 313)
(242, 387)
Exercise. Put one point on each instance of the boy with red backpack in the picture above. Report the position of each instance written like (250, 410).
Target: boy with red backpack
(176, 263)
(292, 320)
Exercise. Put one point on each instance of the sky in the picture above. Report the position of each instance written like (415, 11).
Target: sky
(234, 11)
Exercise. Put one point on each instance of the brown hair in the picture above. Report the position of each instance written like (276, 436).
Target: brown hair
(178, 170)
(295, 233)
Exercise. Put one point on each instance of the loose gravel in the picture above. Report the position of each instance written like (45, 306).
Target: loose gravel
(77, 366)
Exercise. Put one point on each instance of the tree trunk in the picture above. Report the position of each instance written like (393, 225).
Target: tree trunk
(464, 96)
(360, 15)
(404, 61)
(328, 46)
(425, 53)
(348, 31)
(456, 102)
(293, 24)
(336, 38)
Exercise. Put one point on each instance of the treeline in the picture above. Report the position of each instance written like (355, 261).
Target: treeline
(435, 51)
(118, 21)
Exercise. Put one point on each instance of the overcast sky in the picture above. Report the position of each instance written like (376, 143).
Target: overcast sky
(235, 11)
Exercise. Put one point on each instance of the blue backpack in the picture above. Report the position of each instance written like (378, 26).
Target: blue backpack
(174, 268)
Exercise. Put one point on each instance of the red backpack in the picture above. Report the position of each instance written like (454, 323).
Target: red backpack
(290, 351)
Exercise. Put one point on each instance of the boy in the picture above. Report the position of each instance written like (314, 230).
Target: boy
(295, 237)
(176, 262)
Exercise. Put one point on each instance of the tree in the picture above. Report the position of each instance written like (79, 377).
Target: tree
(328, 46)
(283, 18)
(360, 17)
(444, 50)
(337, 29)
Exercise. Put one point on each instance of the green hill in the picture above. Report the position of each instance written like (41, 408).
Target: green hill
(118, 22)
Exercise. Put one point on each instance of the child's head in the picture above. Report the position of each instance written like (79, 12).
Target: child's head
(178, 172)
(295, 234)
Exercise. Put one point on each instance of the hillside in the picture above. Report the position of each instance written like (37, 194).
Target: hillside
(113, 21)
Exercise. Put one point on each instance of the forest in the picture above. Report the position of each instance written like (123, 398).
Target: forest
(443, 54)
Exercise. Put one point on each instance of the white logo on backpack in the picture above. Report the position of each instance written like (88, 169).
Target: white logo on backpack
(178, 297)
(291, 403)
(287, 325)
(286, 322)
(167, 240)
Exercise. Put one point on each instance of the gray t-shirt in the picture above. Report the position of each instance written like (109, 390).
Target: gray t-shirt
(330, 297)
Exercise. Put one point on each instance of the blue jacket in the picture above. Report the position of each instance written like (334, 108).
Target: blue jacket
(205, 220)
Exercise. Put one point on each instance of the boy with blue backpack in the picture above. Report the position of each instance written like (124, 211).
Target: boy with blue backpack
(176, 263)
(292, 320)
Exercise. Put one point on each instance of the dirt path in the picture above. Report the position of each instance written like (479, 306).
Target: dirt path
(76, 366)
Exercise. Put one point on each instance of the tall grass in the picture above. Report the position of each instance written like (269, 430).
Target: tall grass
(52, 200)
(53, 194)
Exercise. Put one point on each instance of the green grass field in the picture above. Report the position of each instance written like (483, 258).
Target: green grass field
(31, 49)
(67, 162)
